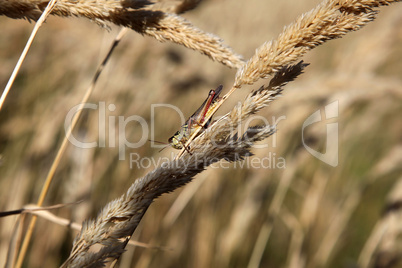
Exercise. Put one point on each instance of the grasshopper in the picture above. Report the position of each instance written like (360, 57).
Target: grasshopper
(196, 121)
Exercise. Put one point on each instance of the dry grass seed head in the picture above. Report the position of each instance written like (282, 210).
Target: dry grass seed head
(329, 20)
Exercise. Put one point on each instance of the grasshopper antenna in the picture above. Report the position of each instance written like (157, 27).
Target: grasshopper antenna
(167, 145)
(160, 142)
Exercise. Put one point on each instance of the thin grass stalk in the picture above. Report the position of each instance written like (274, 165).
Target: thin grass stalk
(43, 213)
(337, 226)
(48, 9)
(181, 202)
(272, 213)
(62, 149)
(15, 242)
(388, 228)
(295, 257)
(367, 253)
(17, 67)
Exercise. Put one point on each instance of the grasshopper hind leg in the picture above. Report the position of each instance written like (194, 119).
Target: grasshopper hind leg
(187, 148)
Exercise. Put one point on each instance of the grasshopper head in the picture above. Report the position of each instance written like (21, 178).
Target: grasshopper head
(175, 141)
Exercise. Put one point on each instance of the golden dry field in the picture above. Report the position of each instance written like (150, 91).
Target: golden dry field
(281, 207)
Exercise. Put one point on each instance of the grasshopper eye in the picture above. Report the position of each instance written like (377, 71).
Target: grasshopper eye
(170, 140)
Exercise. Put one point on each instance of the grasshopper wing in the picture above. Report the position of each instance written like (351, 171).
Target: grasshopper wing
(199, 115)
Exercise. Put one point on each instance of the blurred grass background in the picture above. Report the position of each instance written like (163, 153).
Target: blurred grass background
(222, 218)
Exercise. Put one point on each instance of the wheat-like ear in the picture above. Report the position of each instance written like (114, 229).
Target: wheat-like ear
(137, 15)
(170, 27)
(329, 20)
